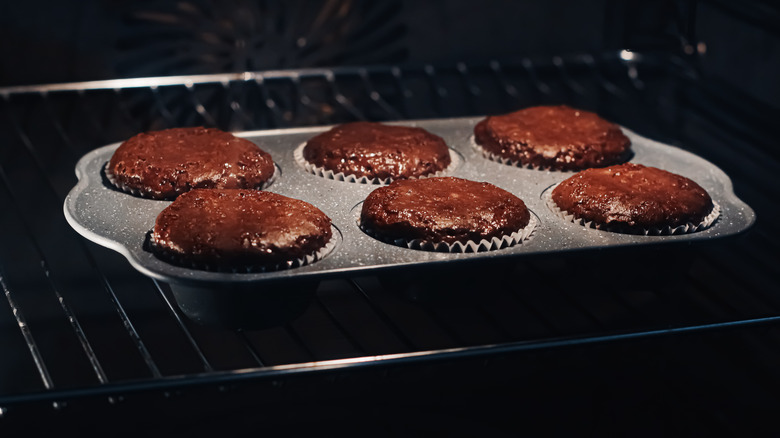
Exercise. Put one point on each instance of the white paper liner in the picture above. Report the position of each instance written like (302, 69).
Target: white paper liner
(135, 192)
(341, 176)
(510, 162)
(666, 231)
(483, 245)
(250, 269)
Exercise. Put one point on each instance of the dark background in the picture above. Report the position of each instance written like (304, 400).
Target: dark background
(53, 41)
(710, 384)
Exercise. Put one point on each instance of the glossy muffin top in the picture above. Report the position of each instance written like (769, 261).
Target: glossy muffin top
(554, 137)
(165, 164)
(376, 150)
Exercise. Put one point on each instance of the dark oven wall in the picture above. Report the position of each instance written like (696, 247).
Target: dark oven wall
(50, 41)
(649, 342)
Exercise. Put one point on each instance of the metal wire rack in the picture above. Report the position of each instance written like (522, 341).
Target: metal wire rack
(80, 327)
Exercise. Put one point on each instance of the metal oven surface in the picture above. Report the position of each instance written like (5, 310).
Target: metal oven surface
(84, 333)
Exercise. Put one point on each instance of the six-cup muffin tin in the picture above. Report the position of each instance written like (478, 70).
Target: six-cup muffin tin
(121, 221)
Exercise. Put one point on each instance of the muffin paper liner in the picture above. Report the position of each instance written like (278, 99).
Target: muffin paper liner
(666, 231)
(516, 163)
(248, 269)
(483, 245)
(341, 176)
(135, 192)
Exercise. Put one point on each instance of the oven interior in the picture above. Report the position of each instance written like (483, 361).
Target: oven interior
(664, 339)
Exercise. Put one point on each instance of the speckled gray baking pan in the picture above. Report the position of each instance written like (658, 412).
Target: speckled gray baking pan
(121, 221)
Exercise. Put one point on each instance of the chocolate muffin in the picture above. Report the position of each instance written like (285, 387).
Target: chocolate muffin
(375, 150)
(553, 137)
(165, 164)
(633, 198)
(239, 229)
(443, 210)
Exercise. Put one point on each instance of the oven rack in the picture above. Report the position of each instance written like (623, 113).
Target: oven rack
(80, 327)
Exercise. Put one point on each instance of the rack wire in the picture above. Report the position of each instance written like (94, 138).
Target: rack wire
(80, 323)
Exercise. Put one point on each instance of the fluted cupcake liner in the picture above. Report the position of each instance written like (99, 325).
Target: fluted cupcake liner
(313, 257)
(135, 192)
(341, 176)
(517, 163)
(655, 231)
(483, 245)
